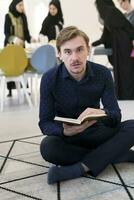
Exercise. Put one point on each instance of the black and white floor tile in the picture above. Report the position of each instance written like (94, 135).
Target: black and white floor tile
(23, 172)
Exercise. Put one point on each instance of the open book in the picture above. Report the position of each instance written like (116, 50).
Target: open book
(78, 121)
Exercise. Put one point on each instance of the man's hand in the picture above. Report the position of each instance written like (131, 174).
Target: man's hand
(18, 41)
(70, 130)
(90, 111)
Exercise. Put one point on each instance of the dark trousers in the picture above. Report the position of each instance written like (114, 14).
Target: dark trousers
(96, 147)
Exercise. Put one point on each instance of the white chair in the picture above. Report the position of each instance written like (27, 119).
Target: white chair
(13, 62)
(43, 59)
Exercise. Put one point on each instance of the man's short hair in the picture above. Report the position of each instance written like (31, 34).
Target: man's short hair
(69, 33)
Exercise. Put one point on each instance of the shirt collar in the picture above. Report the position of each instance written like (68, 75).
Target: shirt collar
(89, 69)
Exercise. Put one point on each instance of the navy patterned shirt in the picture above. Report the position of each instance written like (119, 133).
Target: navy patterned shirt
(62, 95)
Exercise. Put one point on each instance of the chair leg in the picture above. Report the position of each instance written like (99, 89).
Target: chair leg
(31, 86)
(2, 93)
(18, 87)
(36, 90)
(25, 92)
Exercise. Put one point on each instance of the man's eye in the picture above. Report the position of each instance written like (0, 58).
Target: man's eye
(68, 52)
(80, 49)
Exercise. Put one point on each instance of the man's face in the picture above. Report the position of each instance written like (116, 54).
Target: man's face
(74, 54)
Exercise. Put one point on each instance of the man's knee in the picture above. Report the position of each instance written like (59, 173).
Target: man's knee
(128, 124)
(48, 147)
(128, 128)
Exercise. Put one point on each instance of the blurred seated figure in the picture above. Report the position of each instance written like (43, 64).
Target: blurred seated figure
(53, 23)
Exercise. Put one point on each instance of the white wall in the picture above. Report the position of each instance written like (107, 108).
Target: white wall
(81, 13)
(36, 11)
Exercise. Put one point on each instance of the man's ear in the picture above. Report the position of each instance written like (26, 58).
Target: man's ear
(59, 53)
(88, 49)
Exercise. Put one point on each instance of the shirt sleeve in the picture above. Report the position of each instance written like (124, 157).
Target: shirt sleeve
(110, 103)
(47, 112)
(104, 39)
(44, 28)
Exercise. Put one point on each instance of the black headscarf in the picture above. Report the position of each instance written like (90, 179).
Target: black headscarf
(112, 16)
(12, 8)
(59, 16)
(106, 2)
(49, 23)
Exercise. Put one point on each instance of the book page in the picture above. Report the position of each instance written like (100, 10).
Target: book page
(78, 121)
(93, 117)
(68, 120)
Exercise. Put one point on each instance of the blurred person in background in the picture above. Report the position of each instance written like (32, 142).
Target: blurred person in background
(53, 23)
(128, 8)
(118, 34)
(16, 29)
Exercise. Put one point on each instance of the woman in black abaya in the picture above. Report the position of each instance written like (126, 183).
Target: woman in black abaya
(118, 34)
(15, 29)
(54, 21)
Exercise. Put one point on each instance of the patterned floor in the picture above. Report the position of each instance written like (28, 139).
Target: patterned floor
(23, 175)
(23, 172)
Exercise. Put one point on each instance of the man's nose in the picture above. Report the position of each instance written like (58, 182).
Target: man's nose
(74, 55)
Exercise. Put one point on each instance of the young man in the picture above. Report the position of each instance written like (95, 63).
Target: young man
(74, 89)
